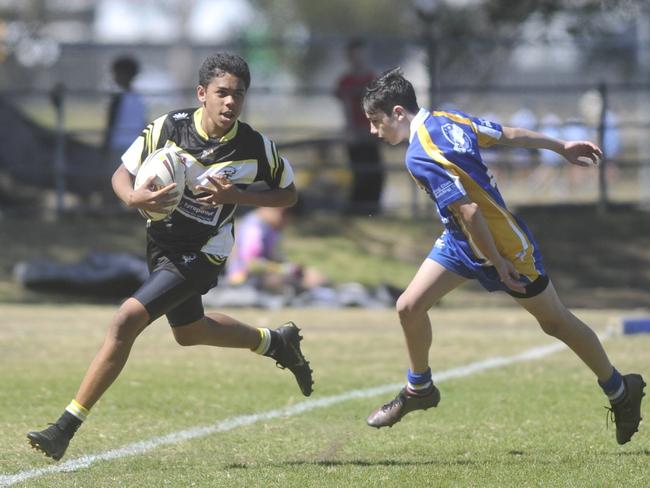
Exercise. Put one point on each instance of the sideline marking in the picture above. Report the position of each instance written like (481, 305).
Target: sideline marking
(244, 420)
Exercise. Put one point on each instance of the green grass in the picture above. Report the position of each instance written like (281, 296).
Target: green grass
(538, 423)
(371, 251)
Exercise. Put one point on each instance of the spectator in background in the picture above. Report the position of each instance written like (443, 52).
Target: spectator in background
(126, 115)
(591, 106)
(549, 174)
(257, 258)
(578, 182)
(523, 159)
(363, 151)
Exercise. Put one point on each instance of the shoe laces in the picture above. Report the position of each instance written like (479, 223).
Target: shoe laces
(610, 417)
(397, 401)
(47, 432)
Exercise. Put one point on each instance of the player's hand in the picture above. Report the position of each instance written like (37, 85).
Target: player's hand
(509, 275)
(582, 153)
(153, 199)
(220, 192)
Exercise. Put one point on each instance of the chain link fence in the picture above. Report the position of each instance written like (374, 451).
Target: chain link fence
(53, 136)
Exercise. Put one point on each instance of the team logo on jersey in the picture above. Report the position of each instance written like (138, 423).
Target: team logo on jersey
(180, 115)
(228, 172)
(188, 258)
(195, 210)
(207, 152)
(442, 190)
(457, 137)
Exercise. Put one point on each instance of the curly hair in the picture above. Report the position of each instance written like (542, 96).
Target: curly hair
(221, 63)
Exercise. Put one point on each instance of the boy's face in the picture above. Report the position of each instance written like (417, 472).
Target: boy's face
(223, 101)
(393, 128)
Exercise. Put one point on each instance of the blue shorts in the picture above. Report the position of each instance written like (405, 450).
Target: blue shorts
(444, 252)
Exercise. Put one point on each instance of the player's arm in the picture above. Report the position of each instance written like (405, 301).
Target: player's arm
(470, 215)
(143, 198)
(581, 153)
(222, 191)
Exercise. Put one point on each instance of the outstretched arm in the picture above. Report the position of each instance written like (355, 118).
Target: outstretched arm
(580, 153)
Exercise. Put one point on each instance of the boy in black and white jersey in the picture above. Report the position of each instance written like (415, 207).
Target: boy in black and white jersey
(228, 163)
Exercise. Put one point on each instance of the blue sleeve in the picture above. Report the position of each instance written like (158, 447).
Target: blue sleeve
(487, 132)
(442, 186)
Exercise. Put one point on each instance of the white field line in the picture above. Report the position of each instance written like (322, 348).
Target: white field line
(244, 420)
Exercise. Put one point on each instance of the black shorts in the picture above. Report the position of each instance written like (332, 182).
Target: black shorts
(176, 283)
(532, 289)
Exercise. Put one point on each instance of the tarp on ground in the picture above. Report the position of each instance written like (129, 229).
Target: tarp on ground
(28, 154)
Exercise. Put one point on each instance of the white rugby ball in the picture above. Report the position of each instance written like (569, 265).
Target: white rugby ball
(167, 165)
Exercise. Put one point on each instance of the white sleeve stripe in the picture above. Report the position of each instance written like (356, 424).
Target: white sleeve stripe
(268, 147)
(156, 130)
(488, 131)
(287, 175)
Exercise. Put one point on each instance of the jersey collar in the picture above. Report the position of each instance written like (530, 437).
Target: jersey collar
(225, 138)
(417, 121)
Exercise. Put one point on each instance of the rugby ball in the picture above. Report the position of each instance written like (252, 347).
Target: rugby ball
(167, 165)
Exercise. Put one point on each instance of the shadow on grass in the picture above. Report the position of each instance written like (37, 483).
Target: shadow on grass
(507, 459)
(353, 462)
(640, 452)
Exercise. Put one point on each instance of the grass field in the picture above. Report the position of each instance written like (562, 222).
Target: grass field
(533, 423)
(595, 261)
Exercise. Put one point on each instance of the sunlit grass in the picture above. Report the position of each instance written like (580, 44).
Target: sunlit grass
(539, 423)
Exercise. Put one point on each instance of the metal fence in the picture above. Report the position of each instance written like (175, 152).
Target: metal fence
(307, 124)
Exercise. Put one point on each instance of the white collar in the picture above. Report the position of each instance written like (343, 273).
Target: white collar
(417, 121)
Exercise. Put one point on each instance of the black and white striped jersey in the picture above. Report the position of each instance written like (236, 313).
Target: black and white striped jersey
(245, 156)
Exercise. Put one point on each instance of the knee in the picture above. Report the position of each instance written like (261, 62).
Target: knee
(408, 308)
(130, 319)
(553, 323)
(549, 327)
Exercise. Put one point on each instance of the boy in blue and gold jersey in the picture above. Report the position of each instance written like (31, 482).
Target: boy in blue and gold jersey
(452, 140)
(228, 163)
(482, 240)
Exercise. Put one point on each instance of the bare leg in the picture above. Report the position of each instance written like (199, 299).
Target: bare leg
(430, 284)
(129, 321)
(557, 321)
(217, 329)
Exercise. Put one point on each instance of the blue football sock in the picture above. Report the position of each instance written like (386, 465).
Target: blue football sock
(614, 387)
(419, 383)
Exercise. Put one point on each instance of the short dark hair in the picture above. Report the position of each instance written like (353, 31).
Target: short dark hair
(388, 90)
(126, 65)
(221, 63)
(355, 43)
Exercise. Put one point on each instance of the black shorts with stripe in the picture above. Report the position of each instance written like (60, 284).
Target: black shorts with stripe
(176, 282)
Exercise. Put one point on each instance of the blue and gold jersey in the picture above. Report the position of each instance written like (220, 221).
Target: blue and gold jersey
(444, 159)
(246, 157)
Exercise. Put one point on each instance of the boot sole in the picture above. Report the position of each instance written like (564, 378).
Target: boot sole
(37, 446)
